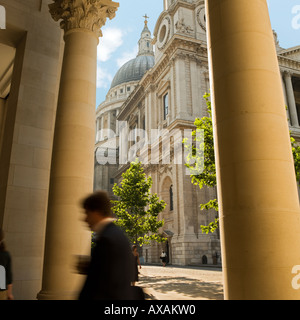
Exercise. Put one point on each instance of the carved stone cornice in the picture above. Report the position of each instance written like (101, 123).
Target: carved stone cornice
(185, 44)
(178, 48)
(83, 14)
(182, 3)
(287, 63)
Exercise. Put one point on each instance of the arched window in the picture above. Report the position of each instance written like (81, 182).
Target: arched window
(171, 198)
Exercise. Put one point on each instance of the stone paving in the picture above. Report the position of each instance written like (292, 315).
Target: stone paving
(181, 283)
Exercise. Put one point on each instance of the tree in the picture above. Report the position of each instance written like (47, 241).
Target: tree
(137, 209)
(208, 175)
(296, 156)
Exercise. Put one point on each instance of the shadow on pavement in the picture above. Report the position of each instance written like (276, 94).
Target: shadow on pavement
(190, 288)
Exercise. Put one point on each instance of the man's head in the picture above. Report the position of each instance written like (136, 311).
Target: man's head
(97, 206)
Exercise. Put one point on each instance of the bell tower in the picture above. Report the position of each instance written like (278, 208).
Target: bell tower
(184, 18)
(145, 42)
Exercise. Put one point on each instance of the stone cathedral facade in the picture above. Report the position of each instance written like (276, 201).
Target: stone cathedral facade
(160, 89)
(163, 89)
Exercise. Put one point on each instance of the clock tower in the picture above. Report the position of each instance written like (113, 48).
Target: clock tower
(185, 18)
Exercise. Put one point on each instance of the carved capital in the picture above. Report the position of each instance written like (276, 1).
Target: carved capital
(287, 74)
(85, 14)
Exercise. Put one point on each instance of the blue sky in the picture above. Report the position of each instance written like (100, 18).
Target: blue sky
(121, 35)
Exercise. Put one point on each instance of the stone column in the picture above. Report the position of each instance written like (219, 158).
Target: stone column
(108, 124)
(291, 99)
(97, 129)
(102, 127)
(257, 191)
(117, 122)
(71, 176)
(285, 98)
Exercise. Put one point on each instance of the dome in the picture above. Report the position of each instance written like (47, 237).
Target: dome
(133, 70)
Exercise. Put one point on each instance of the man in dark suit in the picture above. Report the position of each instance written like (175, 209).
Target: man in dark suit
(111, 267)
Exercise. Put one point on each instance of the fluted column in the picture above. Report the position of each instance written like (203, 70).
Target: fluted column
(291, 98)
(285, 99)
(257, 191)
(71, 176)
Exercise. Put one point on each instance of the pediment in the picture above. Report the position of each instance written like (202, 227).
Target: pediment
(163, 85)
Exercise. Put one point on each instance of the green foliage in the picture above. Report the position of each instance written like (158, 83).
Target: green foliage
(296, 156)
(211, 204)
(208, 176)
(137, 209)
(211, 227)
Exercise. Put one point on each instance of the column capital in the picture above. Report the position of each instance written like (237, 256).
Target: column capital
(83, 14)
(287, 73)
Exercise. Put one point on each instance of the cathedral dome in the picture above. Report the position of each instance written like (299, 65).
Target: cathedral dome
(133, 70)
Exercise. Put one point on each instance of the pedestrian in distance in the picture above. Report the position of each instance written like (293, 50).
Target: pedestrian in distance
(136, 264)
(163, 258)
(6, 284)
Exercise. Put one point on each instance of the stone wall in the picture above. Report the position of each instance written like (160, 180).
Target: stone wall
(28, 137)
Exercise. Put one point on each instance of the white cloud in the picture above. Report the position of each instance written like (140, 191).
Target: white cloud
(112, 39)
(104, 78)
(126, 56)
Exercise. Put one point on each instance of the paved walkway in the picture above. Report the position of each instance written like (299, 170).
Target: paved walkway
(181, 283)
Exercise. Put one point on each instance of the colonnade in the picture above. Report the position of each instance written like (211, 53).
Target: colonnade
(257, 191)
(112, 130)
